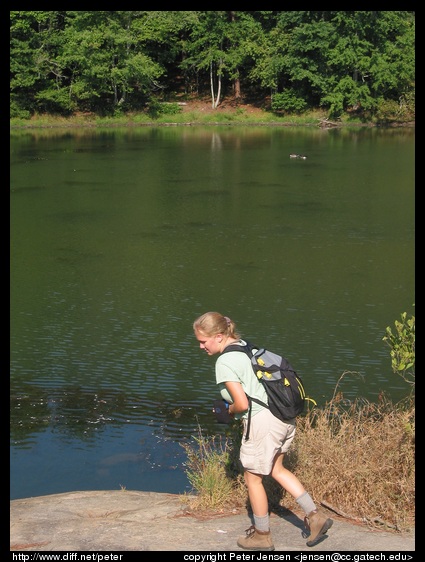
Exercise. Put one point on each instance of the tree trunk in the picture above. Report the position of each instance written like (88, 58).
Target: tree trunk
(237, 87)
(217, 101)
(212, 85)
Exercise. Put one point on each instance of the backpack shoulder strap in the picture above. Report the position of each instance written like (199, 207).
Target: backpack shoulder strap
(244, 348)
(248, 349)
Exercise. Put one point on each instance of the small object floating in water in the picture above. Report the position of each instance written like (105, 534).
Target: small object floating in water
(298, 156)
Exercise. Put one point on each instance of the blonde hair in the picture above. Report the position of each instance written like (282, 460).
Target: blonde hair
(213, 323)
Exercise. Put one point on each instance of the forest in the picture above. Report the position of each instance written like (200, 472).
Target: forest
(112, 63)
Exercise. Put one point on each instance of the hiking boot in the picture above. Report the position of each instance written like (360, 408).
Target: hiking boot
(318, 525)
(256, 540)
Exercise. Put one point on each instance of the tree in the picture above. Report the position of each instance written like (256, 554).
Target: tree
(107, 61)
(34, 39)
(221, 43)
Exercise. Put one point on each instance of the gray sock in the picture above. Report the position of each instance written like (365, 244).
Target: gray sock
(262, 523)
(306, 503)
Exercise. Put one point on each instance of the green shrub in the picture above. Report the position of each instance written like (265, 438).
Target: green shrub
(16, 112)
(402, 344)
(288, 101)
(157, 108)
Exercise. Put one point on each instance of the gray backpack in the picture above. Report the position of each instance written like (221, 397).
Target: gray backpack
(285, 390)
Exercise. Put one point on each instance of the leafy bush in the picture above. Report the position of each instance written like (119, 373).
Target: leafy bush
(288, 101)
(157, 108)
(402, 344)
(17, 112)
(388, 111)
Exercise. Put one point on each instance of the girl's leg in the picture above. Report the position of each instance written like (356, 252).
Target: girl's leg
(258, 536)
(286, 478)
(257, 493)
(317, 522)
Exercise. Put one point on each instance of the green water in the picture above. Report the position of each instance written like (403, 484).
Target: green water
(121, 237)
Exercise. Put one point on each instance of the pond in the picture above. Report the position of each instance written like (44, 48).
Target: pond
(120, 238)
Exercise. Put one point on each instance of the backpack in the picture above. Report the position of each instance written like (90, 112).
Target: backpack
(284, 388)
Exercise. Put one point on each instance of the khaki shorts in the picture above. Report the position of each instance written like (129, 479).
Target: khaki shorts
(268, 436)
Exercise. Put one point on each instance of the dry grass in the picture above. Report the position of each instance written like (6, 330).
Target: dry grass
(213, 471)
(357, 459)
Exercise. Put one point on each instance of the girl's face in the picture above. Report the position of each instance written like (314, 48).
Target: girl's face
(210, 345)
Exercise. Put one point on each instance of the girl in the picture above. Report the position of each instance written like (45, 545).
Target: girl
(269, 440)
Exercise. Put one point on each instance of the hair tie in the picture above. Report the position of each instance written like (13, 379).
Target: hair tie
(227, 320)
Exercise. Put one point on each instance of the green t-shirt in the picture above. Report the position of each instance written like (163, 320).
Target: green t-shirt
(235, 366)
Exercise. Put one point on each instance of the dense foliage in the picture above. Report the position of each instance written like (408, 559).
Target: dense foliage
(106, 62)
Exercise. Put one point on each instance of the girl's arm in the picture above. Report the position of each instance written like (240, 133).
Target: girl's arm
(240, 400)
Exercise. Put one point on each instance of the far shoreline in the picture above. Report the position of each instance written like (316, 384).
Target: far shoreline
(202, 114)
(409, 125)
